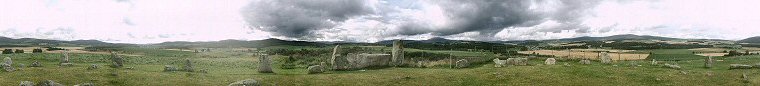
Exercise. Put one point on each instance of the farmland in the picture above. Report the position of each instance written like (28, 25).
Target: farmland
(226, 67)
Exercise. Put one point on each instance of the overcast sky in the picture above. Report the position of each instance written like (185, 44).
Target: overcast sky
(154, 21)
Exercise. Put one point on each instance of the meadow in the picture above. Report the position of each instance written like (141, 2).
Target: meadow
(227, 66)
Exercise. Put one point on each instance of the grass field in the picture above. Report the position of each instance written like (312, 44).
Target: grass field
(672, 54)
(226, 69)
(587, 55)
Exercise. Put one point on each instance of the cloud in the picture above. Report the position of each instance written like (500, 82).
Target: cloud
(127, 21)
(153, 21)
(307, 19)
(296, 18)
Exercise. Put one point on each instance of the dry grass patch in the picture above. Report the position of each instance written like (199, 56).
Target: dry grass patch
(587, 55)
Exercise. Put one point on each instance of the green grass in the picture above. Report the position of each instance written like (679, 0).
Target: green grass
(671, 54)
(455, 53)
(222, 71)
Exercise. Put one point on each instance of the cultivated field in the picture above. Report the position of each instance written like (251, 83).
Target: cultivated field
(581, 54)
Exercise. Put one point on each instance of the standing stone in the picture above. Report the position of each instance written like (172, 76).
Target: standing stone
(315, 69)
(585, 61)
(169, 68)
(499, 63)
(265, 64)
(189, 66)
(605, 58)
(708, 62)
(745, 78)
(364, 60)
(398, 53)
(36, 64)
(21, 66)
(93, 67)
(421, 64)
(462, 63)
(323, 65)
(85, 84)
(7, 65)
(654, 62)
(8, 68)
(65, 58)
(517, 61)
(335, 60)
(550, 61)
(26, 83)
(739, 66)
(246, 82)
(7, 60)
(49, 83)
(672, 66)
(118, 62)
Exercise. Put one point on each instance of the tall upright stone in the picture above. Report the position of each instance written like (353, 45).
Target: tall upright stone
(315, 69)
(118, 62)
(398, 53)
(499, 63)
(7, 65)
(7, 60)
(334, 60)
(189, 66)
(585, 61)
(265, 64)
(462, 63)
(65, 58)
(323, 65)
(708, 62)
(605, 58)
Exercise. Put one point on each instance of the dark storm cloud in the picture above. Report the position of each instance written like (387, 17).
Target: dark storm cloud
(298, 18)
(492, 16)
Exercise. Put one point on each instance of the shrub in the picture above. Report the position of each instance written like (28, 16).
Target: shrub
(733, 53)
(8, 51)
(37, 51)
(19, 51)
(54, 48)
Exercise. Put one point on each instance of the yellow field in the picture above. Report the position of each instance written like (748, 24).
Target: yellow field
(751, 49)
(71, 50)
(588, 55)
(712, 54)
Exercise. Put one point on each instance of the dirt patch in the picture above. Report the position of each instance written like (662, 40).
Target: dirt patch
(708, 49)
(600, 50)
(188, 50)
(712, 54)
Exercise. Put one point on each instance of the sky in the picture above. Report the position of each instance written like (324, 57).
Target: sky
(155, 21)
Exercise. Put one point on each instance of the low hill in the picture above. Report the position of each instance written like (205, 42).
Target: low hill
(755, 39)
(237, 43)
(5, 41)
(619, 37)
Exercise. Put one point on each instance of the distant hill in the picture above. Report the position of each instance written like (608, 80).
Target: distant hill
(237, 43)
(619, 37)
(755, 39)
(438, 40)
(46, 42)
